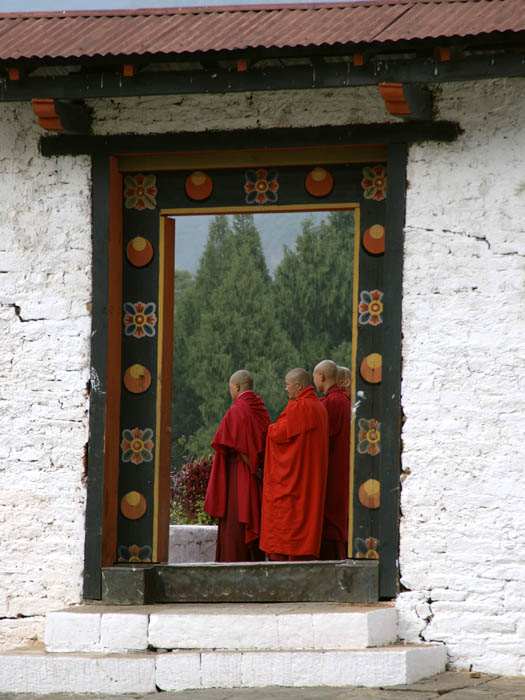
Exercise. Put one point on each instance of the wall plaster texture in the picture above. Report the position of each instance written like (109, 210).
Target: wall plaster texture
(463, 387)
(45, 293)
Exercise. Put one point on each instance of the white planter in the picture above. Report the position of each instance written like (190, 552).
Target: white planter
(190, 543)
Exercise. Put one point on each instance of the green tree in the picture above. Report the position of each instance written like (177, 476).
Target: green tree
(183, 281)
(228, 322)
(313, 290)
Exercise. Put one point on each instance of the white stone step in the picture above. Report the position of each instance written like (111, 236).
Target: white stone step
(292, 626)
(112, 674)
(253, 626)
(43, 673)
(388, 666)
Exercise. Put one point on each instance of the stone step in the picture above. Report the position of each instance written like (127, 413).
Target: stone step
(347, 581)
(43, 673)
(253, 626)
(395, 665)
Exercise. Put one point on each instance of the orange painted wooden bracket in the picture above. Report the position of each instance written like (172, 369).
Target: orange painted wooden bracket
(242, 65)
(14, 73)
(47, 117)
(406, 101)
(443, 53)
(57, 115)
(128, 70)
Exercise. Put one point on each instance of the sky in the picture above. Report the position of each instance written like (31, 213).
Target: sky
(47, 5)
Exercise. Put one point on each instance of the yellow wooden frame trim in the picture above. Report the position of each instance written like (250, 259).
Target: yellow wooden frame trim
(260, 209)
(160, 326)
(269, 157)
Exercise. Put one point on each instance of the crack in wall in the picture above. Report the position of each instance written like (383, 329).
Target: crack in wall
(18, 314)
(465, 234)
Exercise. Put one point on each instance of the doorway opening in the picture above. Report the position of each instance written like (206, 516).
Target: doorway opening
(264, 292)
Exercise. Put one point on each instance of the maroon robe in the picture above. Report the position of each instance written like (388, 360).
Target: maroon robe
(234, 491)
(335, 523)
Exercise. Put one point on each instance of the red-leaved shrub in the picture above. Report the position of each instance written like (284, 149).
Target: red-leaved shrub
(188, 489)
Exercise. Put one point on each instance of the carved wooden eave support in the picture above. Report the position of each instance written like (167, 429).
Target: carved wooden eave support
(62, 116)
(407, 101)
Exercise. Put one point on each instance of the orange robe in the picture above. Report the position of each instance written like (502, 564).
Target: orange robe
(335, 525)
(295, 469)
(234, 491)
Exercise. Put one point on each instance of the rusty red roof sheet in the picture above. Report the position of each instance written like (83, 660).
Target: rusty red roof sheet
(80, 34)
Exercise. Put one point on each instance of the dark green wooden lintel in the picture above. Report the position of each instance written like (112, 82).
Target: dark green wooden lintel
(402, 132)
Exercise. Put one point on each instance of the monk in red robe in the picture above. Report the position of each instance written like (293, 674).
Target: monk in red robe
(335, 401)
(344, 380)
(235, 486)
(295, 468)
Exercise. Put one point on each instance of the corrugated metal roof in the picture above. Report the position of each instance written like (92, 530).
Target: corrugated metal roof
(181, 30)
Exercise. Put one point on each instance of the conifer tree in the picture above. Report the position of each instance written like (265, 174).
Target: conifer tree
(228, 322)
(313, 290)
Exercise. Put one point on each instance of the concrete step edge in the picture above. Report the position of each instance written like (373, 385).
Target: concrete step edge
(38, 671)
(279, 627)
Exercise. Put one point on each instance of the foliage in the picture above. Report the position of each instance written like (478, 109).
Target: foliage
(313, 290)
(188, 489)
(232, 315)
(183, 280)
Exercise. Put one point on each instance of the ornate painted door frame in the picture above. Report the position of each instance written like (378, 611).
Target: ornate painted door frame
(132, 519)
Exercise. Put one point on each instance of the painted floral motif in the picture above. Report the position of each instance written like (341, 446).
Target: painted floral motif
(261, 186)
(134, 553)
(369, 437)
(139, 319)
(374, 182)
(140, 191)
(367, 548)
(371, 307)
(137, 445)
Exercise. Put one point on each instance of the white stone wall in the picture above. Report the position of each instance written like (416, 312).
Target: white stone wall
(258, 110)
(45, 291)
(463, 394)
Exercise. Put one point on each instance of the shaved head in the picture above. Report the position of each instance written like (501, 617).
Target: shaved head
(243, 378)
(344, 379)
(295, 381)
(328, 368)
(343, 374)
(299, 376)
(325, 375)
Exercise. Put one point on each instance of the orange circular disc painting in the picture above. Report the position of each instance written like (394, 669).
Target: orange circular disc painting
(374, 239)
(199, 185)
(139, 251)
(137, 379)
(319, 182)
(371, 368)
(133, 505)
(370, 494)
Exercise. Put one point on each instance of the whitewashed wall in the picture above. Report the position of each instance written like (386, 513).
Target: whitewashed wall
(45, 291)
(463, 392)
(463, 519)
